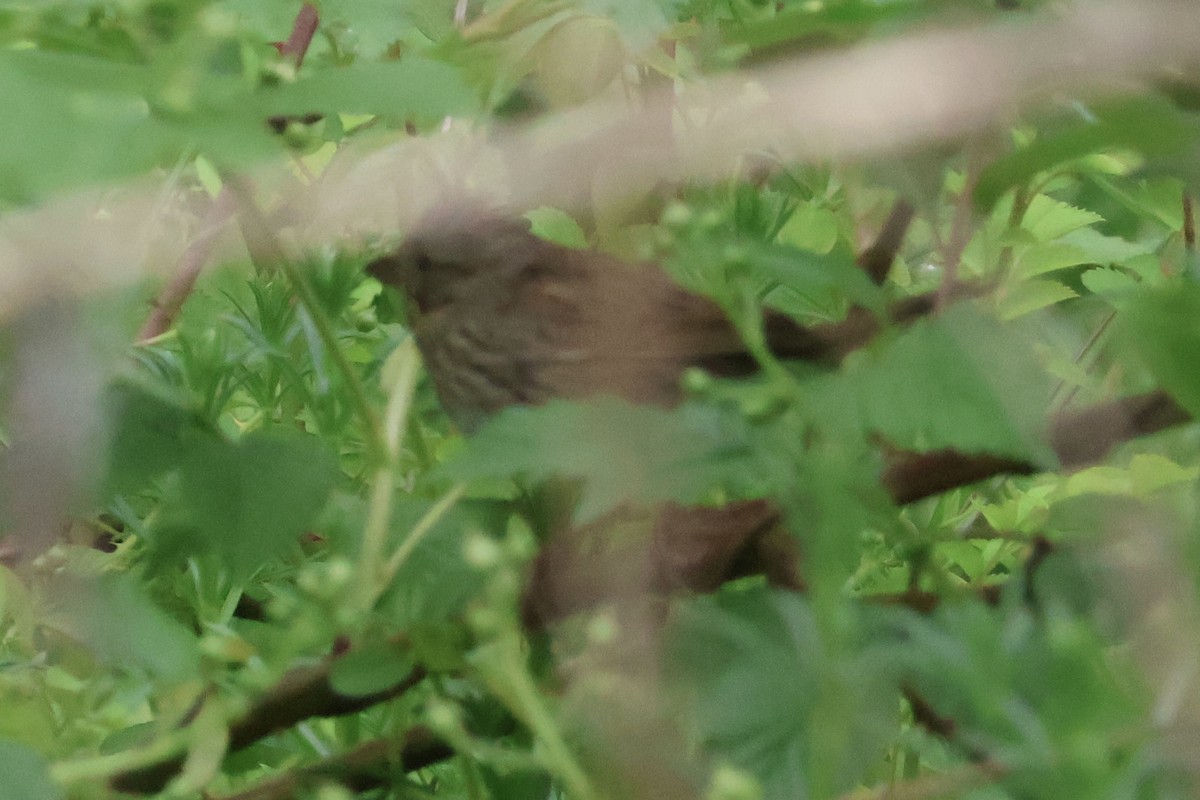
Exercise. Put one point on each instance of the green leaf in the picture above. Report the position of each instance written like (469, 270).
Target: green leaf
(70, 121)
(1152, 472)
(828, 22)
(1030, 296)
(1047, 218)
(961, 381)
(1042, 257)
(1147, 473)
(433, 18)
(1162, 325)
(710, 263)
(511, 785)
(252, 500)
(557, 226)
(137, 735)
(811, 228)
(1103, 281)
(1102, 479)
(413, 87)
(1148, 124)
(24, 774)
(626, 453)
(1043, 694)
(1101, 249)
(373, 667)
(1159, 199)
(641, 21)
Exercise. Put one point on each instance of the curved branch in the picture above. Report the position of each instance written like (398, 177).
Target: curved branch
(877, 259)
(191, 263)
(1078, 438)
(301, 693)
(370, 765)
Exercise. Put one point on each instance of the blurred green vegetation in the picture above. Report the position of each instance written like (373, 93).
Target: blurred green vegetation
(280, 502)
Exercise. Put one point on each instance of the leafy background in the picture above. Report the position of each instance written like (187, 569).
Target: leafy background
(248, 555)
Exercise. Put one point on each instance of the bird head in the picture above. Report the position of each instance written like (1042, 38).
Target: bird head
(450, 250)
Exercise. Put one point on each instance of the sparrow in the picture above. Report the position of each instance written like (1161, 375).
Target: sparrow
(503, 317)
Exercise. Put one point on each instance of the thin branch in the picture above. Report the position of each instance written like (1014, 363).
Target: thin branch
(193, 259)
(877, 259)
(374, 577)
(960, 225)
(1082, 354)
(303, 30)
(915, 477)
(1077, 438)
(1189, 223)
(304, 693)
(419, 531)
(928, 717)
(300, 694)
(1086, 436)
(924, 602)
(370, 765)
(563, 582)
(170, 300)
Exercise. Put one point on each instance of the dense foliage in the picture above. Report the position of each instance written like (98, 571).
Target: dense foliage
(246, 554)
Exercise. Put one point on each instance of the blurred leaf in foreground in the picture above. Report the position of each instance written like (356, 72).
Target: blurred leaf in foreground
(1162, 325)
(23, 774)
(116, 619)
(771, 690)
(626, 453)
(251, 500)
(961, 381)
(1037, 692)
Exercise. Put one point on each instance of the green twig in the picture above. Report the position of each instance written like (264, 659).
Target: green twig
(383, 483)
(501, 663)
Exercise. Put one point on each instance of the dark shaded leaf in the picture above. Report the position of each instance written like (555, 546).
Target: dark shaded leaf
(1038, 693)
(250, 501)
